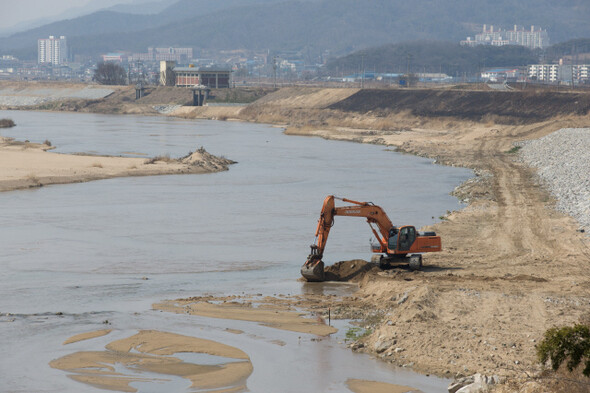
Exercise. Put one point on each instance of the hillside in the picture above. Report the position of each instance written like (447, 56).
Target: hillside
(432, 56)
(338, 25)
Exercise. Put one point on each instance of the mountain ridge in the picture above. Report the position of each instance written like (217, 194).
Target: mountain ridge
(340, 26)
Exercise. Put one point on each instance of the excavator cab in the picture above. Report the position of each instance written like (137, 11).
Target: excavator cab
(407, 236)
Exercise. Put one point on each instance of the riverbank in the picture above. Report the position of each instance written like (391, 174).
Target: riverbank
(511, 267)
(28, 165)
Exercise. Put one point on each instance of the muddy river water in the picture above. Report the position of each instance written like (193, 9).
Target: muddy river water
(83, 257)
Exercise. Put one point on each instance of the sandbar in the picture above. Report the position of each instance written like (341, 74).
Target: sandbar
(87, 336)
(28, 165)
(276, 318)
(151, 351)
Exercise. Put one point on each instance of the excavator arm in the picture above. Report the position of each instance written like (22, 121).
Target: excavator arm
(313, 269)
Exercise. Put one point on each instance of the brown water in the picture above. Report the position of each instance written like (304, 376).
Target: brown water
(84, 249)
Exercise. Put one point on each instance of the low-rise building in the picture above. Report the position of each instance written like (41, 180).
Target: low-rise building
(501, 75)
(118, 57)
(554, 73)
(216, 77)
(544, 72)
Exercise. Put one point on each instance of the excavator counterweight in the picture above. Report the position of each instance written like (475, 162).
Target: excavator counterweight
(396, 243)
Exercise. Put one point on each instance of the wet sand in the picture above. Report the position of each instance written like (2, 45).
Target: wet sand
(278, 317)
(152, 352)
(87, 336)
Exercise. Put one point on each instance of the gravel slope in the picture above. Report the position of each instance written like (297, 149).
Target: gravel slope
(563, 163)
(13, 96)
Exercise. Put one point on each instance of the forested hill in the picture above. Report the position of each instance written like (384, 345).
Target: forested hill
(338, 25)
(432, 56)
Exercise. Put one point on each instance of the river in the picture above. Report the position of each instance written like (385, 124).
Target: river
(74, 256)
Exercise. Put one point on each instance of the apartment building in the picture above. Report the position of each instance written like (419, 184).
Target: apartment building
(553, 73)
(52, 50)
(533, 38)
(544, 72)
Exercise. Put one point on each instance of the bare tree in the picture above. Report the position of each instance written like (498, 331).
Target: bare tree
(109, 73)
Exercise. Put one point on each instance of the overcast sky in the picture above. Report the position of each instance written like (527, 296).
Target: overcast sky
(13, 12)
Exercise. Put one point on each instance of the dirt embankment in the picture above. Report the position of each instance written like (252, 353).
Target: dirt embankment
(76, 97)
(514, 107)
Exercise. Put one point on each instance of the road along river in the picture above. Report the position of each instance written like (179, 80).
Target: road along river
(83, 257)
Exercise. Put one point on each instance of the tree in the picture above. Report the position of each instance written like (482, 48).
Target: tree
(566, 343)
(109, 73)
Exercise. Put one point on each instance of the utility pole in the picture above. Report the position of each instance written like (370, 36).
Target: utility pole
(574, 54)
(274, 68)
(363, 71)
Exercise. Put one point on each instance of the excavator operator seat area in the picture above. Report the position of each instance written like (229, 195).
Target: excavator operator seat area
(407, 236)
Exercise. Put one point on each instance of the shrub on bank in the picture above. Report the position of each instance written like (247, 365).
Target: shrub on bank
(569, 344)
(7, 123)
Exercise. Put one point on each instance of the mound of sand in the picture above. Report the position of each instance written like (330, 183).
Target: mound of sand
(354, 270)
(206, 160)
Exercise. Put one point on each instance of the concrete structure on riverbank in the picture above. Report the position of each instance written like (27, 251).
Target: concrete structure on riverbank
(212, 77)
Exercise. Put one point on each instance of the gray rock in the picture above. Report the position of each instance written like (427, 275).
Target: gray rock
(382, 345)
(402, 299)
(476, 383)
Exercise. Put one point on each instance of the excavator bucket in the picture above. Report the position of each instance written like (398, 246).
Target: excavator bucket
(313, 270)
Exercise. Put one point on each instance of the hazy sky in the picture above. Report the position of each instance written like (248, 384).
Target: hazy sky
(13, 12)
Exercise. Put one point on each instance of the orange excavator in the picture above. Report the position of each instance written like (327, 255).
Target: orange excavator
(403, 244)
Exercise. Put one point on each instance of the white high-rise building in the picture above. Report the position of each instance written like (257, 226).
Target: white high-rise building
(52, 50)
(533, 38)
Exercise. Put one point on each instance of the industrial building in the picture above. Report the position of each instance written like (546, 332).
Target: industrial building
(213, 77)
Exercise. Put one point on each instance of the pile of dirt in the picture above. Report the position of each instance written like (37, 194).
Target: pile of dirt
(354, 270)
(208, 161)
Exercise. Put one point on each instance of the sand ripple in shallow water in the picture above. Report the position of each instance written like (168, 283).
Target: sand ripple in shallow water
(151, 351)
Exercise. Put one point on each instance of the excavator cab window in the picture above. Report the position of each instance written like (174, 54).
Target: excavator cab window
(407, 235)
(392, 242)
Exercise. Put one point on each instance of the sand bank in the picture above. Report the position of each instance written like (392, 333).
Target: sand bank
(28, 165)
(153, 352)
(87, 336)
(269, 314)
